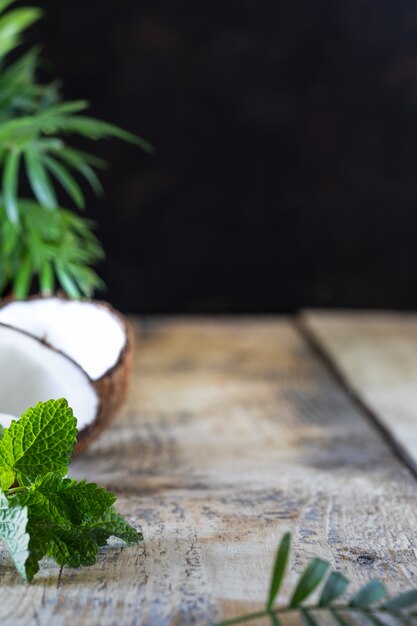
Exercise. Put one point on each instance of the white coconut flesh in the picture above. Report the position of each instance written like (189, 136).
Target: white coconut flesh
(90, 334)
(31, 372)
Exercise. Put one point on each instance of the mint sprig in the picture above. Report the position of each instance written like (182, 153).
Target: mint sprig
(42, 513)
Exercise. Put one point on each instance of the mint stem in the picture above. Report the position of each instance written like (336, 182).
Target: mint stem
(14, 490)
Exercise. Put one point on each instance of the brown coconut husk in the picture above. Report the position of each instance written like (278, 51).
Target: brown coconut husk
(112, 386)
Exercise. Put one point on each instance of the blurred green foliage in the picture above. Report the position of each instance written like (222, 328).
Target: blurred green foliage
(41, 243)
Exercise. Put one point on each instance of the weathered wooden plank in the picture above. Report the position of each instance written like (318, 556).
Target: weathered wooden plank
(233, 434)
(376, 355)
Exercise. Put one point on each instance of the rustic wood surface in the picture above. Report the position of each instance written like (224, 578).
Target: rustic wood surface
(376, 357)
(235, 432)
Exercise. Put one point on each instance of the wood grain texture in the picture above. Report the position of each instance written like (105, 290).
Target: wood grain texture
(376, 356)
(234, 433)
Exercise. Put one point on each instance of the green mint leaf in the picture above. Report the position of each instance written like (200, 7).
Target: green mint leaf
(40, 534)
(51, 526)
(73, 547)
(76, 545)
(13, 531)
(67, 544)
(41, 441)
(112, 524)
(71, 519)
(66, 502)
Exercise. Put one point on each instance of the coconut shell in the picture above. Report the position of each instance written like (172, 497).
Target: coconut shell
(112, 386)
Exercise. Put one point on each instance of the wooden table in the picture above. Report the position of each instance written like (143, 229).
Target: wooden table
(237, 430)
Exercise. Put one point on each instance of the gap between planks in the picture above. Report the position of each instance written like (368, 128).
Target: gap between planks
(304, 323)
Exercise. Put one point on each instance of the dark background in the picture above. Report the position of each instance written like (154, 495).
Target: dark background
(286, 134)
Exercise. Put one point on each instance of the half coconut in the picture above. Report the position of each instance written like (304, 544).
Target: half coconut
(51, 347)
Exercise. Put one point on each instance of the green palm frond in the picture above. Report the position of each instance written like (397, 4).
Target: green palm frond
(39, 240)
(12, 25)
(368, 604)
(46, 248)
(35, 142)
